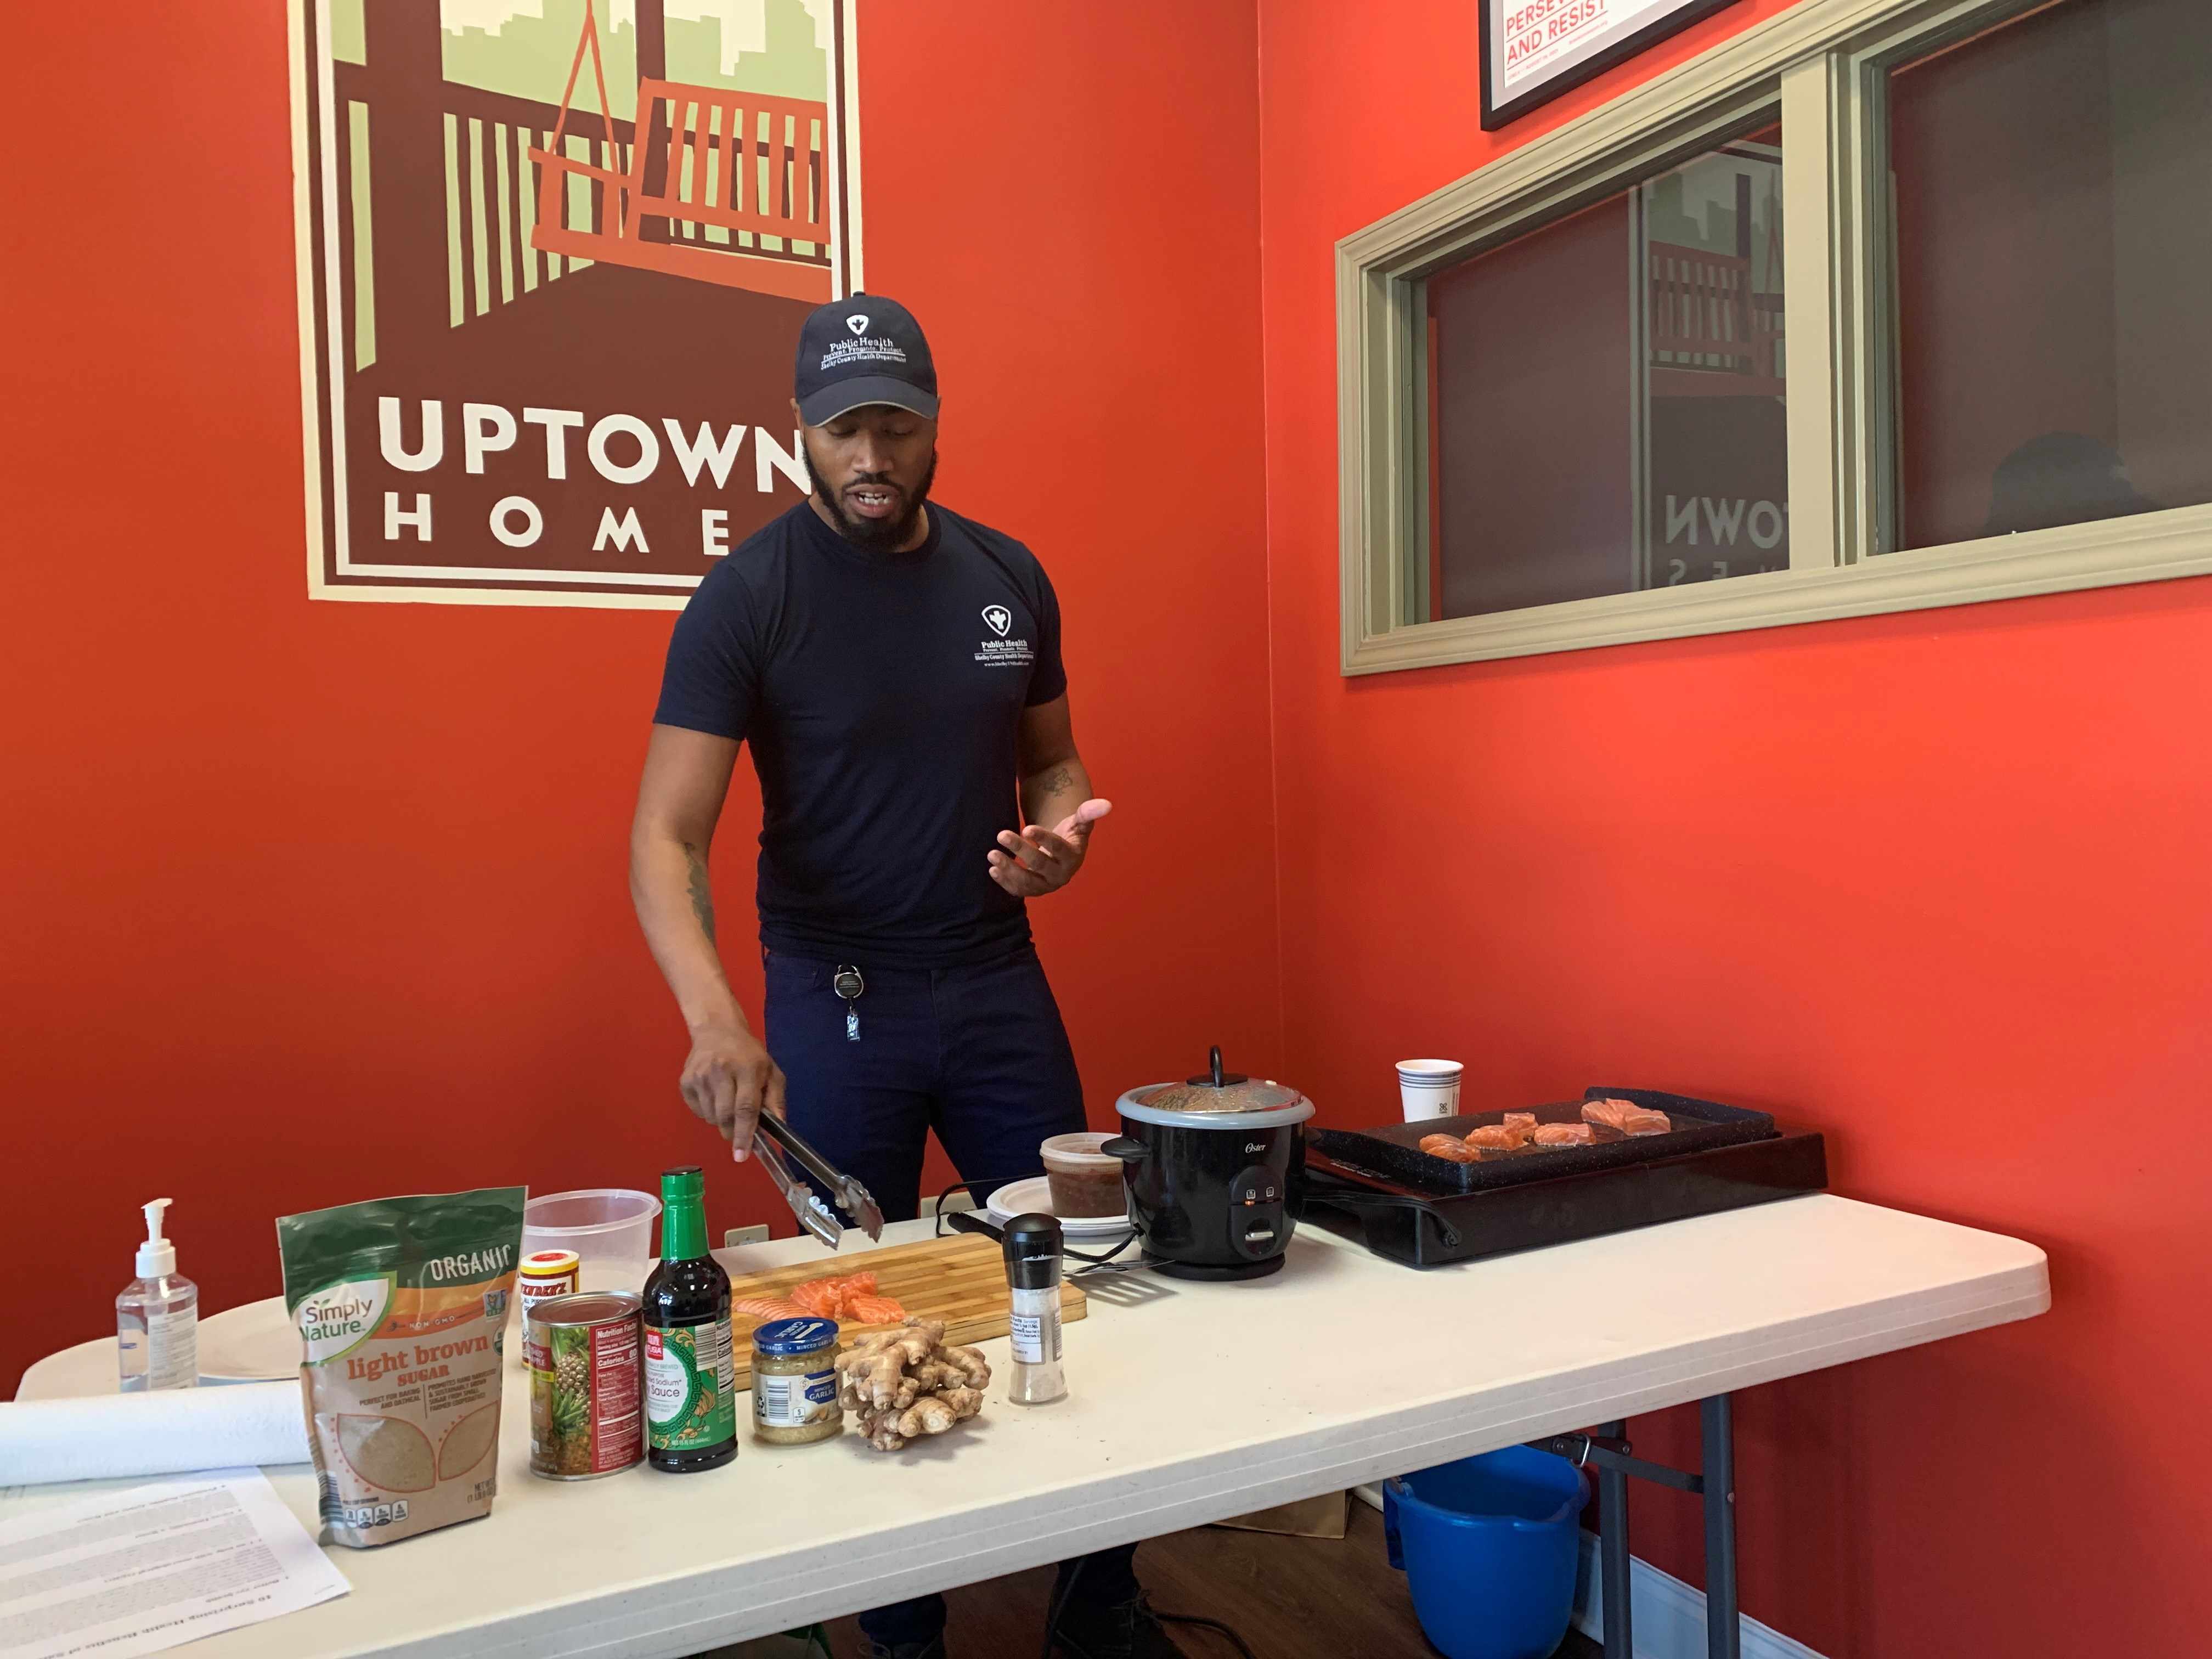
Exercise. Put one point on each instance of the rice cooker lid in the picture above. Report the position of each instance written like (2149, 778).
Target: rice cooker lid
(1216, 1099)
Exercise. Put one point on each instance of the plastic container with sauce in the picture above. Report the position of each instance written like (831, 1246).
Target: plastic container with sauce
(1084, 1181)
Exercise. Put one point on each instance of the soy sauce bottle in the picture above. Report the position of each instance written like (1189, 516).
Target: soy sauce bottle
(690, 1371)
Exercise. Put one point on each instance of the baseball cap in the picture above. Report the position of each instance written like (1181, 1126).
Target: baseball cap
(863, 348)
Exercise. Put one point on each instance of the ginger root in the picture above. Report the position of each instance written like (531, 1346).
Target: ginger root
(972, 1365)
(905, 1382)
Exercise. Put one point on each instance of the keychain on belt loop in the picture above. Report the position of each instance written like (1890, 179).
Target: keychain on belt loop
(849, 984)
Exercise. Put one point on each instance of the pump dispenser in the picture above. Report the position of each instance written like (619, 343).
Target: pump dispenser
(157, 1316)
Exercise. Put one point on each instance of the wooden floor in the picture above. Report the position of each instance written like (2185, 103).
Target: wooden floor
(1290, 1598)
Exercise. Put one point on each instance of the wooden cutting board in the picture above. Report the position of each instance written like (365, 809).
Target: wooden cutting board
(960, 1278)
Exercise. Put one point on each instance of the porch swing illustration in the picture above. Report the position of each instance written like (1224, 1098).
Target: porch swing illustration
(702, 159)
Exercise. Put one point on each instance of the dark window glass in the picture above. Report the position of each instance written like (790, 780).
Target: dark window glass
(2053, 235)
(1606, 408)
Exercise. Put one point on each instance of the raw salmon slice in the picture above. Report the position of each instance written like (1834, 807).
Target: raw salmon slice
(765, 1308)
(1626, 1116)
(868, 1309)
(1497, 1137)
(834, 1298)
(1449, 1147)
(1564, 1135)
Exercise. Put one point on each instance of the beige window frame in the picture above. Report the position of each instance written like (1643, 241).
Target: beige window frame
(1822, 65)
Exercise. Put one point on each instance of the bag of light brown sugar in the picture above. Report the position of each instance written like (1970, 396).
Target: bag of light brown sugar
(400, 1304)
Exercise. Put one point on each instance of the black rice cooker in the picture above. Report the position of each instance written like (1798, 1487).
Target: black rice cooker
(1215, 1169)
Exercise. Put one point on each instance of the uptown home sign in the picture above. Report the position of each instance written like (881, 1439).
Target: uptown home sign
(553, 258)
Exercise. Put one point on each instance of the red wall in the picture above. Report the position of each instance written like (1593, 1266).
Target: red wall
(1934, 885)
(306, 902)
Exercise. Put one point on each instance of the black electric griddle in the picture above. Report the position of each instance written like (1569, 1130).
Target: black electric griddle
(1377, 1188)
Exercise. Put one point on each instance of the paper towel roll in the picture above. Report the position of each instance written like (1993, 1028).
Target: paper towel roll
(168, 1431)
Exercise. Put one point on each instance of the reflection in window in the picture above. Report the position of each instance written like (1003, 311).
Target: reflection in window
(1606, 398)
(2052, 180)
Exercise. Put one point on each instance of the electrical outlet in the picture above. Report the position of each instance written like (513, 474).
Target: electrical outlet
(756, 1234)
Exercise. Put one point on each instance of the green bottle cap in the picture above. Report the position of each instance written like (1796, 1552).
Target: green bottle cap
(686, 1182)
(683, 1213)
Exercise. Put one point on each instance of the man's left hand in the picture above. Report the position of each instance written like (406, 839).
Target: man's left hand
(1041, 860)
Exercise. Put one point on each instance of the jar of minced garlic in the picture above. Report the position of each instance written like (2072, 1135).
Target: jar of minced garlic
(795, 1382)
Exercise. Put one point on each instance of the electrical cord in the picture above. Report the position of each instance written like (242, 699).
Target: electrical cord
(1106, 1264)
(1098, 1263)
(1065, 1593)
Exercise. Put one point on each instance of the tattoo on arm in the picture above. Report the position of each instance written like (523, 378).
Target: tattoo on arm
(1061, 777)
(703, 893)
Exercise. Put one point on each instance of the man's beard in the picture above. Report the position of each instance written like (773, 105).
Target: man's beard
(877, 535)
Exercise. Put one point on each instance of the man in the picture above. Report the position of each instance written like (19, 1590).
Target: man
(895, 670)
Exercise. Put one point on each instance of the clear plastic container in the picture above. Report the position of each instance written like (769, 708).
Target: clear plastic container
(609, 1228)
(1084, 1181)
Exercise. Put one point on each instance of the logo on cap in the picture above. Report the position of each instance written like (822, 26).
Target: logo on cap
(858, 325)
(999, 617)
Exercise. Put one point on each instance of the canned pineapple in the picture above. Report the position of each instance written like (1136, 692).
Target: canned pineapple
(587, 1371)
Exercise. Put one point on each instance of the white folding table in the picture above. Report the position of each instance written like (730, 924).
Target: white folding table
(1190, 1403)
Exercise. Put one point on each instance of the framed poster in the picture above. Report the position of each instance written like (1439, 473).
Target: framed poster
(553, 256)
(1534, 49)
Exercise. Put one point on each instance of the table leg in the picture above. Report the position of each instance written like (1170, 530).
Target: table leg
(1716, 1429)
(1612, 1552)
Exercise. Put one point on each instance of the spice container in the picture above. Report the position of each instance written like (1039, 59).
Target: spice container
(586, 1385)
(1032, 1251)
(795, 1382)
(1084, 1181)
(541, 1276)
(545, 1274)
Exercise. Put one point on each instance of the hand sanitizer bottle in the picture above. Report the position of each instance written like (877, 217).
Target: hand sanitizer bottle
(157, 1317)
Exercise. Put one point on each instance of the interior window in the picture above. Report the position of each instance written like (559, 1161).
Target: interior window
(2051, 181)
(1606, 406)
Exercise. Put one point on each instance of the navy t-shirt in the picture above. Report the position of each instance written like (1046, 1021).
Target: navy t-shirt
(880, 695)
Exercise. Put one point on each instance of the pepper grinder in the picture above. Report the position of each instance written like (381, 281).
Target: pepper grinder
(1032, 1249)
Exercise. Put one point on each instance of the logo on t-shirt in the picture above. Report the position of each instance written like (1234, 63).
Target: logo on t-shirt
(1002, 653)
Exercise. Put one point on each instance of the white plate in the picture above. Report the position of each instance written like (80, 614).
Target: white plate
(251, 1344)
(1034, 1197)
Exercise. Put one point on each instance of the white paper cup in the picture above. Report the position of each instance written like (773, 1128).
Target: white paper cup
(1429, 1088)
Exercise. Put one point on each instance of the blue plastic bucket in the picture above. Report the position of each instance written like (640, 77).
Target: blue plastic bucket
(1489, 1546)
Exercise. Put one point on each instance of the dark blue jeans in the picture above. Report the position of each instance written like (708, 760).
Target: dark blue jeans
(979, 1056)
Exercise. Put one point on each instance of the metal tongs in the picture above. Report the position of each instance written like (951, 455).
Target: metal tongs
(817, 1218)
